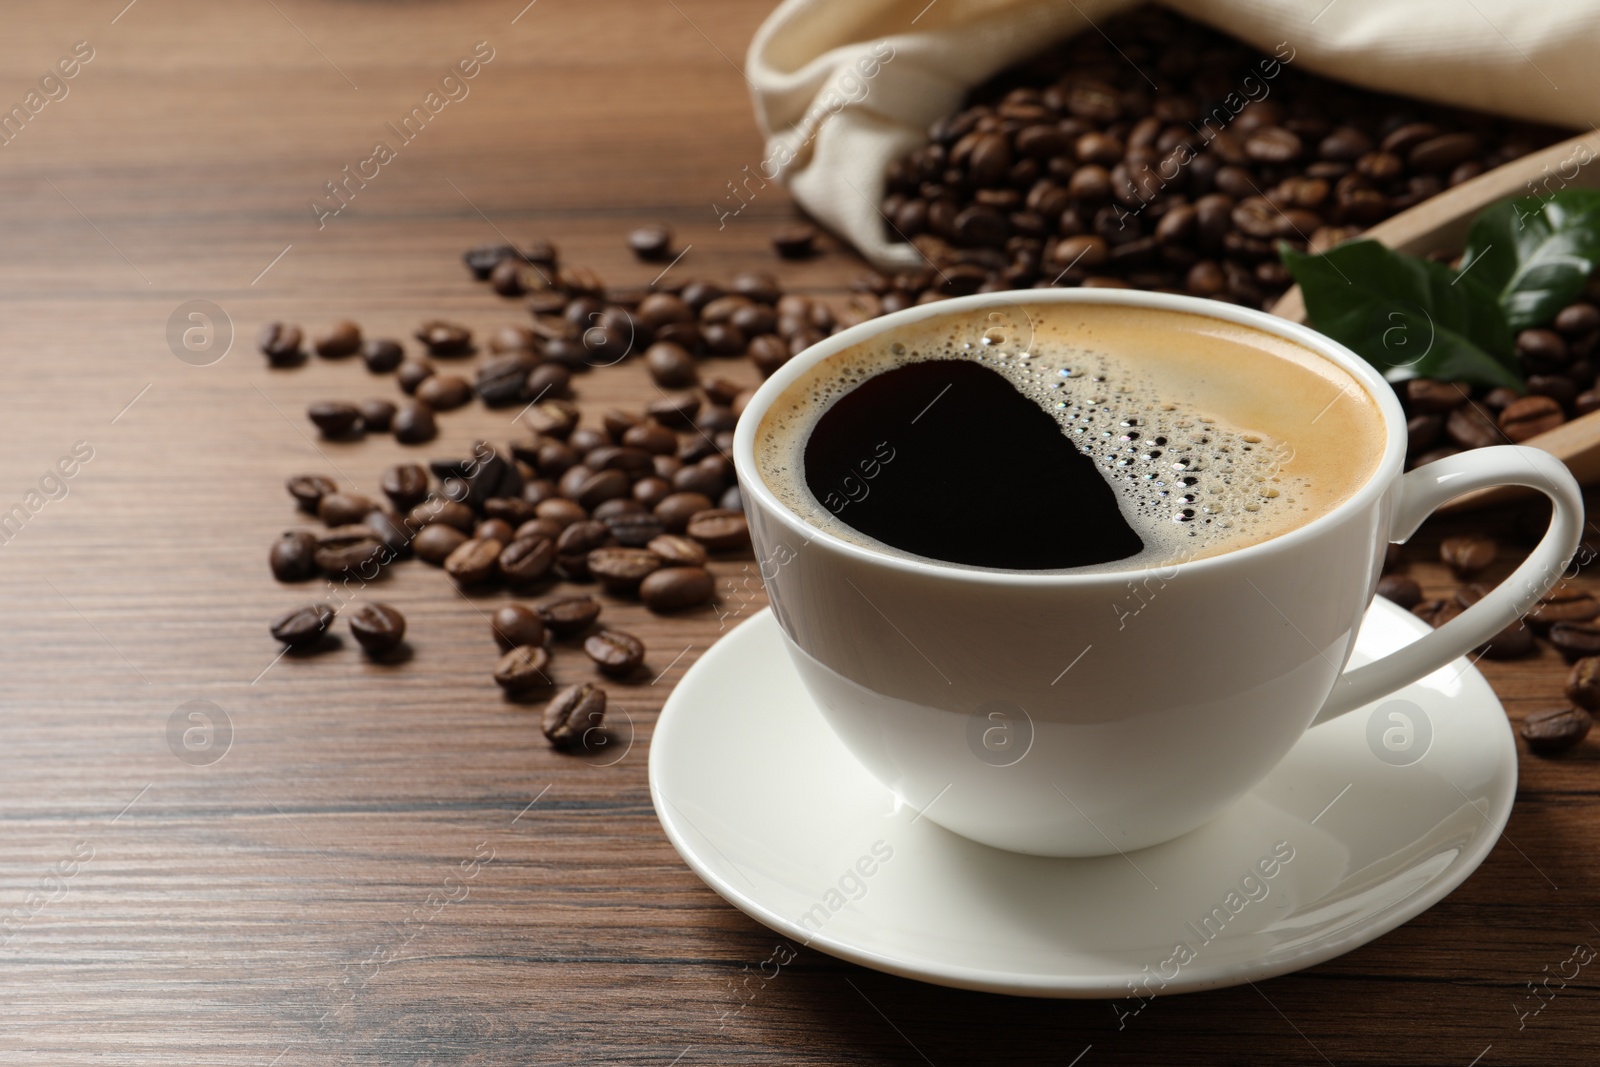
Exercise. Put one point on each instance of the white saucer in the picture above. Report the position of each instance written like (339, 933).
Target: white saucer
(768, 807)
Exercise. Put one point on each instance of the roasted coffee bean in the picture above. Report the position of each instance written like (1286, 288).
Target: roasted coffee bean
(798, 241)
(651, 243)
(434, 544)
(1583, 683)
(769, 353)
(387, 527)
(1575, 640)
(634, 462)
(616, 654)
(1437, 612)
(511, 278)
(444, 392)
(651, 438)
(412, 373)
(344, 509)
(442, 512)
(575, 544)
(517, 624)
(280, 343)
(293, 556)
(527, 560)
(670, 365)
(1555, 730)
(1400, 590)
(414, 423)
(600, 486)
(550, 381)
(498, 529)
(1422, 431)
(483, 259)
(350, 550)
(522, 670)
(378, 628)
(513, 340)
(1529, 417)
(651, 490)
(622, 569)
(1563, 604)
(500, 381)
(538, 528)
(675, 588)
(1577, 320)
(1513, 642)
(677, 411)
(677, 509)
(474, 560)
(303, 626)
(514, 510)
(1425, 396)
(1469, 427)
(309, 489)
(381, 355)
(633, 529)
(445, 338)
(1468, 555)
(406, 484)
(617, 507)
(552, 418)
(574, 716)
(676, 550)
(339, 340)
(719, 529)
(334, 417)
(377, 415)
(561, 511)
(1541, 350)
(567, 615)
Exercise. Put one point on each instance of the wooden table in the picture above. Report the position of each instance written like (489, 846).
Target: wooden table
(282, 905)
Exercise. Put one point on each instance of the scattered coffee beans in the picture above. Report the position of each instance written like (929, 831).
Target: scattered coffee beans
(303, 625)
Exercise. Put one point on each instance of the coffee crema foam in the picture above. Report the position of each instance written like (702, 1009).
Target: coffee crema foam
(1214, 436)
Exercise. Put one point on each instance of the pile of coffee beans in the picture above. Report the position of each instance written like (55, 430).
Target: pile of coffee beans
(1161, 154)
(1561, 365)
(1565, 618)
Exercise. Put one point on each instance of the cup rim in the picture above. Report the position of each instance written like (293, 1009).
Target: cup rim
(755, 489)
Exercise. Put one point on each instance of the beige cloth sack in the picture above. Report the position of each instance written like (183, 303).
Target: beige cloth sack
(843, 87)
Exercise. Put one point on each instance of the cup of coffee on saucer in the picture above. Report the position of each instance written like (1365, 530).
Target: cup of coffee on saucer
(1057, 576)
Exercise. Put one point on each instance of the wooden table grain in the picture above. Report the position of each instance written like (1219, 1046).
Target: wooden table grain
(388, 864)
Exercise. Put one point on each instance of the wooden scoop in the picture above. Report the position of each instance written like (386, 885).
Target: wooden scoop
(1441, 223)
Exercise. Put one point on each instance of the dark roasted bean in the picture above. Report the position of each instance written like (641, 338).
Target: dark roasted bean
(1575, 640)
(1401, 590)
(303, 626)
(651, 243)
(474, 560)
(633, 529)
(522, 670)
(677, 509)
(517, 624)
(434, 544)
(381, 355)
(334, 417)
(1529, 417)
(1583, 683)
(377, 415)
(574, 716)
(293, 556)
(670, 365)
(567, 615)
(719, 529)
(445, 338)
(1563, 604)
(280, 343)
(498, 529)
(500, 380)
(378, 628)
(527, 559)
(1467, 555)
(444, 392)
(343, 509)
(414, 423)
(406, 484)
(674, 588)
(622, 569)
(350, 550)
(339, 340)
(616, 654)
(411, 373)
(309, 489)
(1513, 642)
(1555, 730)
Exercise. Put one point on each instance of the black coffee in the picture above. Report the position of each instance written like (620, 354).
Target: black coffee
(946, 459)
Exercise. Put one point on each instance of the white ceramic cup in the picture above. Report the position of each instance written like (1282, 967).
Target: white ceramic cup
(1116, 737)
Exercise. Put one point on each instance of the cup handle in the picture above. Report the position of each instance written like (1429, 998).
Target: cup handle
(1416, 496)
